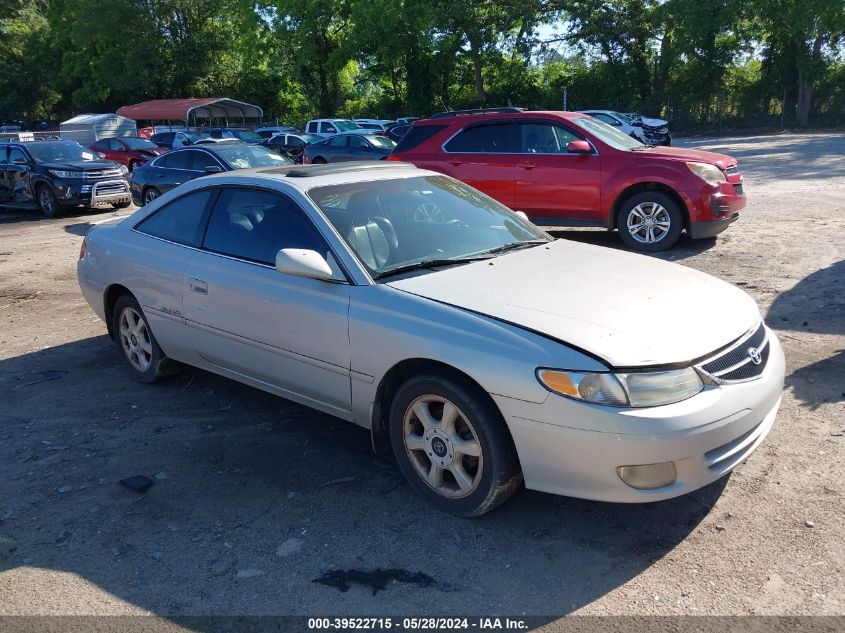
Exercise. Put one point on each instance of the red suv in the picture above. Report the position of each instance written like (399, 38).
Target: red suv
(569, 169)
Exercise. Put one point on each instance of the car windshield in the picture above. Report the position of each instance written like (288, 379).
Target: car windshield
(345, 126)
(622, 117)
(608, 133)
(381, 142)
(59, 151)
(246, 156)
(422, 219)
(138, 143)
(248, 136)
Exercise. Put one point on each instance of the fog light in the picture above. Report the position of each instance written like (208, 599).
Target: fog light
(648, 476)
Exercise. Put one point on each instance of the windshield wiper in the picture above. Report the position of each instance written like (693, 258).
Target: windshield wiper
(431, 263)
(513, 246)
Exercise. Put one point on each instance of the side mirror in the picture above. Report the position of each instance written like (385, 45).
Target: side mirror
(579, 147)
(304, 263)
(213, 169)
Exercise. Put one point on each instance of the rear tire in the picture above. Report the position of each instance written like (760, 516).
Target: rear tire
(649, 221)
(47, 202)
(135, 340)
(452, 445)
(319, 161)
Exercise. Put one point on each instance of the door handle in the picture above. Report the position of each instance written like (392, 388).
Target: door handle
(456, 163)
(198, 286)
(527, 165)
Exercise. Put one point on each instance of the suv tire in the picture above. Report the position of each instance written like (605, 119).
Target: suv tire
(649, 221)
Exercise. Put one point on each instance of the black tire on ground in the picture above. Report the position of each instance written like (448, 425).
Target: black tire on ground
(47, 202)
(148, 195)
(319, 160)
(666, 218)
(136, 342)
(496, 475)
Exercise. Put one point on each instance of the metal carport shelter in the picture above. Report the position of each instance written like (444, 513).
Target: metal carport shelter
(188, 110)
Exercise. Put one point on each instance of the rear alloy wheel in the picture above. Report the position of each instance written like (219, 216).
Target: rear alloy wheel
(649, 221)
(47, 201)
(149, 195)
(133, 336)
(452, 445)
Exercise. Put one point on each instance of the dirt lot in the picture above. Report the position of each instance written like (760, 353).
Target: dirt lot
(244, 515)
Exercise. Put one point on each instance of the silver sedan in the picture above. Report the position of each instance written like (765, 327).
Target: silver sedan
(479, 350)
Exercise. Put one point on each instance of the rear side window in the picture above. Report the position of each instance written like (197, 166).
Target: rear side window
(181, 221)
(312, 127)
(417, 134)
(175, 160)
(255, 225)
(201, 160)
(483, 139)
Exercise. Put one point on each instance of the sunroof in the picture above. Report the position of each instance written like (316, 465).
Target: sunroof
(308, 171)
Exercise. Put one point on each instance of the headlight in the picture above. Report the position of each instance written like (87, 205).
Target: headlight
(124, 169)
(634, 389)
(708, 173)
(58, 173)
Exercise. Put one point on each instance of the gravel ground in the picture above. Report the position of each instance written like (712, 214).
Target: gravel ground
(254, 497)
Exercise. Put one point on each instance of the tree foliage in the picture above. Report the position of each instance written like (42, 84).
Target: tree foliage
(699, 62)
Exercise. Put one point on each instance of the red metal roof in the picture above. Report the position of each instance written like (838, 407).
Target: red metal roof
(183, 109)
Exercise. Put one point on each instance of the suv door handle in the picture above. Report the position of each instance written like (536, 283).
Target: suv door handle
(527, 165)
(198, 286)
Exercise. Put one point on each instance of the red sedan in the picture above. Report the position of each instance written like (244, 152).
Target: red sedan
(131, 151)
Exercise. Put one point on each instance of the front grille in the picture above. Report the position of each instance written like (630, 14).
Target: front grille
(110, 187)
(100, 173)
(738, 189)
(733, 169)
(737, 364)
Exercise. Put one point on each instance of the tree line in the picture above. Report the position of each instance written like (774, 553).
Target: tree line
(700, 63)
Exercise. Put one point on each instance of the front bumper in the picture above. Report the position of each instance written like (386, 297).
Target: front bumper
(93, 194)
(569, 448)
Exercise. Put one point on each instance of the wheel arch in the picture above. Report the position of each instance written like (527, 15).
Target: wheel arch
(396, 376)
(648, 186)
(110, 297)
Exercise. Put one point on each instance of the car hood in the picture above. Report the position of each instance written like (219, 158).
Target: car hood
(682, 153)
(81, 165)
(653, 122)
(629, 310)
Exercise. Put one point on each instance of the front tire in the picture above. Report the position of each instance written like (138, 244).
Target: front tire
(649, 221)
(452, 445)
(150, 194)
(136, 342)
(47, 202)
(319, 160)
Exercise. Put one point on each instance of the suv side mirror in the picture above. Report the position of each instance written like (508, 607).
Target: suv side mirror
(304, 263)
(579, 147)
(213, 169)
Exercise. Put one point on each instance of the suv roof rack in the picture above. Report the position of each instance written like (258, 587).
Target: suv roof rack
(309, 171)
(450, 113)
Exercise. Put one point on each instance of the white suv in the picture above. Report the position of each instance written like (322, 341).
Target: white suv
(330, 127)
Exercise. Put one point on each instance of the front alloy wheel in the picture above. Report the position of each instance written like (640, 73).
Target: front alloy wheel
(650, 221)
(150, 195)
(452, 445)
(47, 201)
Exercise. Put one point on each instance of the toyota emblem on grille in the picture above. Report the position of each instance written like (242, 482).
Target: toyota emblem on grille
(754, 355)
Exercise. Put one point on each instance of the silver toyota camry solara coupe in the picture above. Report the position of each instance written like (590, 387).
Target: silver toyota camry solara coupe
(479, 349)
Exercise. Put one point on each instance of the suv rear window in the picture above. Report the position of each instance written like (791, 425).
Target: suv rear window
(416, 135)
(494, 138)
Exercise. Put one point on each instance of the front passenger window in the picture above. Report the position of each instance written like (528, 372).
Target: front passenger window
(255, 225)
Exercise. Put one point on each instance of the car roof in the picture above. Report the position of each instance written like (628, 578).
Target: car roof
(305, 177)
(464, 117)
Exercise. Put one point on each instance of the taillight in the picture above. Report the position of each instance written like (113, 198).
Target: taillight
(83, 247)
(394, 157)
(305, 159)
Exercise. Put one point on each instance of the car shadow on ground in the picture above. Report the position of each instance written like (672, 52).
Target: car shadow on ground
(254, 497)
(684, 248)
(815, 305)
(17, 216)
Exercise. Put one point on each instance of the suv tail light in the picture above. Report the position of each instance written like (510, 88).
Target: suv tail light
(83, 248)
